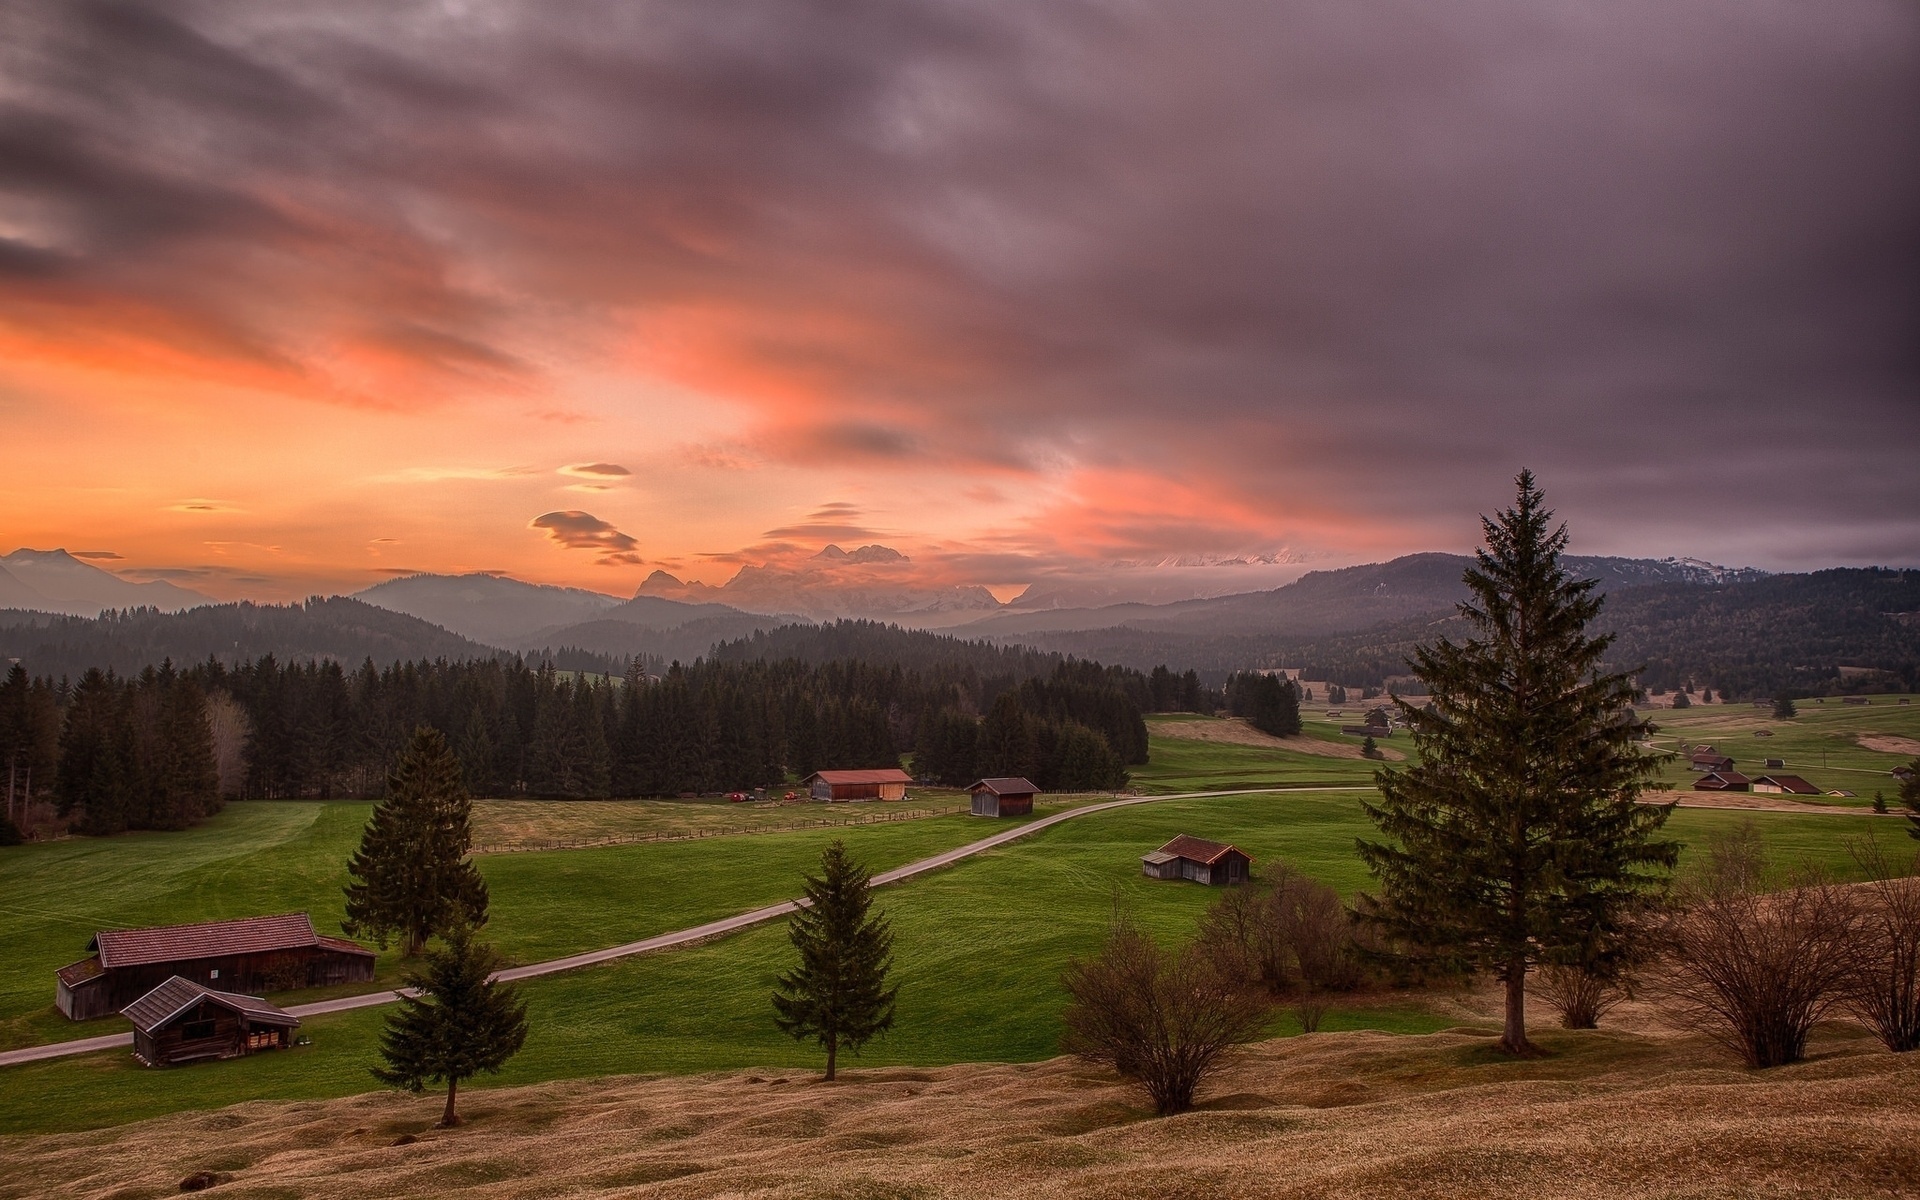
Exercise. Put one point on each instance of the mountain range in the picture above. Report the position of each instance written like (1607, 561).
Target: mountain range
(54, 581)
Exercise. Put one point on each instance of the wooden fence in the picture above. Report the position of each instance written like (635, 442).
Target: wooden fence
(632, 839)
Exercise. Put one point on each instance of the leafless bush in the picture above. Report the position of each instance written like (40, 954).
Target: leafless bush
(1883, 968)
(1315, 926)
(1753, 969)
(1579, 994)
(1289, 935)
(1163, 1017)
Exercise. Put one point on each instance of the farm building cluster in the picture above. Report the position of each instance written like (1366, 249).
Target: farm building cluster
(188, 989)
(1717, 774)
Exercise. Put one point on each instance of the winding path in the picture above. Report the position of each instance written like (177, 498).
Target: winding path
(698, 933)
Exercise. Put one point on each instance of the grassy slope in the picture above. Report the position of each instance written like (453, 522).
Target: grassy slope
(1819, 744)
(980, 945)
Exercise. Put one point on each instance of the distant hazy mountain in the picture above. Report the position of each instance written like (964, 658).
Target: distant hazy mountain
(488, 608)
(875, 582)
(1326, 602)
(55, 581)
(337, 627)
(14, 594)
(655, 627)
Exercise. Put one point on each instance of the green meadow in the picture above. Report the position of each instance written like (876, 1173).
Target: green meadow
(979, 951)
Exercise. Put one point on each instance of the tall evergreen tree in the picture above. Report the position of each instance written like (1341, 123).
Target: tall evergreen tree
(1518, 838)
(838, 994)
(1910, 796)
(1006, 744)
(411, 875)
(460, 1023)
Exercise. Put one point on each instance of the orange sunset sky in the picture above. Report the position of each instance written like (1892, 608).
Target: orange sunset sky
(294, 299)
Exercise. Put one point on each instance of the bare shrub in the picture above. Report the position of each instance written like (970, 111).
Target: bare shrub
(1753, 969)
(1883, 966)
(1579, 994)
(1289, 935)
(1162, 1017)
(1316, 928)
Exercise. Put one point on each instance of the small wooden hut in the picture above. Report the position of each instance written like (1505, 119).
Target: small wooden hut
(1008, 796)
(181, 1021)
(1211, 863)
(885, 783)
(258, 954)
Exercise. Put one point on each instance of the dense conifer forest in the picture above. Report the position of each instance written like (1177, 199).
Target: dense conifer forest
(159, 749)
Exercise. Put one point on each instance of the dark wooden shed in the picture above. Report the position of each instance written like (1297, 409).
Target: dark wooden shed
(258, 954)
(1007, 796)
(180, 1021)
(1722, 781)
(1212, 863)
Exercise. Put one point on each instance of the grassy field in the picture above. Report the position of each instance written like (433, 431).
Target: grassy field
(980, 946)
(516, 825)
(1821, 744)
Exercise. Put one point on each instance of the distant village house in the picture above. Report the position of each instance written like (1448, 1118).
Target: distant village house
(180, 1021)
(885, 783)
(1003, 797)
(253, 954)
(1211, 863)
(1722, 781)
(1788, 785)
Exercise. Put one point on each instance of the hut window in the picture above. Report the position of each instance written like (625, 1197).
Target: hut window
(193, 1031)
(214, 974)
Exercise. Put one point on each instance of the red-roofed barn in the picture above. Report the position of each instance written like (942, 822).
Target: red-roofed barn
(1184, 857)
(255, 954)
(884, 783)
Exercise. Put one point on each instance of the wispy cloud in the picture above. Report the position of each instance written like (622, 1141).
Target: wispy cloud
(453, 474)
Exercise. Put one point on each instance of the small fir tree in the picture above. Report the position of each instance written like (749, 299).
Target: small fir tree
(1783, 707)
(838, 994)
(411, 875)
(462, 1022)
(1518, 838)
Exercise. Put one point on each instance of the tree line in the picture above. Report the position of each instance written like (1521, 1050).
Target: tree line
(158, 750)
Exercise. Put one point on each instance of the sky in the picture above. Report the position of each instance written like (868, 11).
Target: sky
(297, 297)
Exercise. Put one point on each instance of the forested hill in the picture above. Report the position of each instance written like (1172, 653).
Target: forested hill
(1750, 638)
(891, 646)
(337, 628)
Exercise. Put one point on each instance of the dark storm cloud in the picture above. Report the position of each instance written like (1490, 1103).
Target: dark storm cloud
(1667, 253)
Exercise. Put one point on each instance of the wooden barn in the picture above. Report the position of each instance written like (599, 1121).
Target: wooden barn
(1709, 759)
(1722, 781)
(257, 954)
(886, 783)
(1789, 785)
(1211, 863)
(180, 1021)
(1005, 797)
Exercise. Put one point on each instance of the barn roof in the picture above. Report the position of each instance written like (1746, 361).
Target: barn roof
(1005, 785)
(1720, 781)
(75, 974)
(1199, 850)
(151, 1012)
(1790, 783)
(880, 775)
(211, 939)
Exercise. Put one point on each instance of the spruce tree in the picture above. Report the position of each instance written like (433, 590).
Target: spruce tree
(1518, 838)
(1910, 796)
(1783, 707)
(461, 1021)
(411, 875)
(838, 994)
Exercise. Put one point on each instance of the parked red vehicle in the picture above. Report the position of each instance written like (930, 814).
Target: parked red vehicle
(736, 797)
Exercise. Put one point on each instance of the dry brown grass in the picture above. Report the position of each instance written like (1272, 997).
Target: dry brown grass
(500, 825)
(1887, 743)
(1235, 731)
(1352, 1114)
